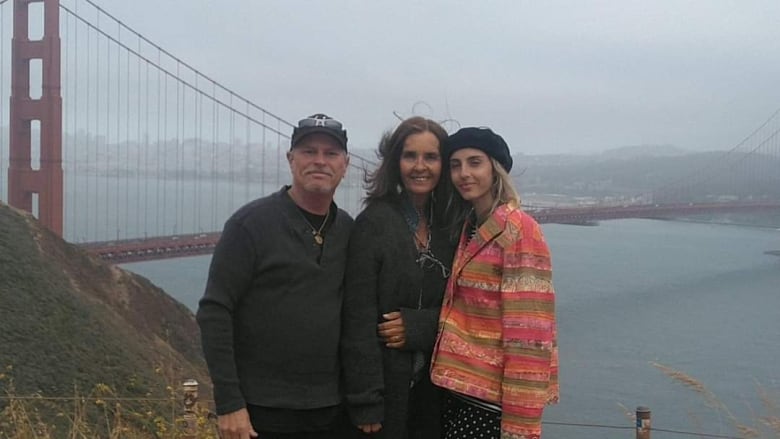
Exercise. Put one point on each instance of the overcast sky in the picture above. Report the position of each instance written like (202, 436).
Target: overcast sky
(550, 76)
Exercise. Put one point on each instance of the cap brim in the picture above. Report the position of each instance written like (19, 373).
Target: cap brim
(303, 132)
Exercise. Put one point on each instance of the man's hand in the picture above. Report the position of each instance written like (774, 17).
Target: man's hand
(392, 330)
(369, 428)
(236, 425)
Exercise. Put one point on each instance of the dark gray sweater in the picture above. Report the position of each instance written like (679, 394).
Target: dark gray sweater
(270, 315)
(382, 276)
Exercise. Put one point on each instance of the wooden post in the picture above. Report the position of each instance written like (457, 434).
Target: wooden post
(642, 423)
(190, 400)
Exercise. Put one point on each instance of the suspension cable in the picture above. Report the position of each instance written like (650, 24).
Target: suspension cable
(87, 142)
(138, 156)
(229, 91)
(176, 225)
(3, 100)
(158, 174)
(198, 145)
(146, 155)
(171, 74)
(117, 198)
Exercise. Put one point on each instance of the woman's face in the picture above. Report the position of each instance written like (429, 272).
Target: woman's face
(472, 174)
(420, 164)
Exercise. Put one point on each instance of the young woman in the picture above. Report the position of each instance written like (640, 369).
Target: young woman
(496, 351)
(397, 268)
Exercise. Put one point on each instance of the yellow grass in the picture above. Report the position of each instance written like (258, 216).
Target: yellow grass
(99, 414)
(764, 425)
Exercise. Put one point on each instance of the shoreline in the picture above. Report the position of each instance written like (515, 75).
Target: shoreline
(723, 223)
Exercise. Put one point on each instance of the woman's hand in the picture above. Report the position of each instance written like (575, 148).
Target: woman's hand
(369, 428)
(392, 330)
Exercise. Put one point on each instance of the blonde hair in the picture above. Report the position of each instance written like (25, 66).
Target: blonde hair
(503, 189)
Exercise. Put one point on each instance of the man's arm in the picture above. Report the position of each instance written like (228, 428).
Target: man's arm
(230, 276)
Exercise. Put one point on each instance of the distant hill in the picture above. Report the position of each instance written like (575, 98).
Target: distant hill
(638, 151)
(69, 321)
(635, 170)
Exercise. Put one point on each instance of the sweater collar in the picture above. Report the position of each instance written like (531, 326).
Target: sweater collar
(410, 213)
(486, 233)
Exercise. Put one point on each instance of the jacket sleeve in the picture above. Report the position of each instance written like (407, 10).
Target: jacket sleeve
(421, 326)
(530, 377)
(230, 276)
(361, 354)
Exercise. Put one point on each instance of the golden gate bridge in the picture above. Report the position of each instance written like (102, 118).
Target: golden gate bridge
(117, 145)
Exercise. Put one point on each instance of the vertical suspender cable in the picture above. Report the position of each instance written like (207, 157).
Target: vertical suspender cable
(66, 147)
(247, 156)
(116, 200)
(214, 140)
(773, 166)
(137, 225)
(753, 178)
(157, 207)
(199, 123)
(775, 163)
(98, 171)
(194, 172)
(146, 155)
(87, 142)
(121, 151)
(278, 153)
(182, 165)
(128, 170)
(176, 224)
(3, 100)
(110, 150)
(117, 104)
(165, 158)
(77, 168)
(262, 172)
(231, 152)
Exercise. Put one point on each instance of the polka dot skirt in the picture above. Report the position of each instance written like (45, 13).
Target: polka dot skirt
(463, 420)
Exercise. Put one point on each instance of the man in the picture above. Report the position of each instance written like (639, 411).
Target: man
(270, 315)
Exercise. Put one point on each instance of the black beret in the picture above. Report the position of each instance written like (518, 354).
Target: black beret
(483, 139)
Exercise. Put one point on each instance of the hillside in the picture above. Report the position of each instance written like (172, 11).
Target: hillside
(637, 170)
(69, 321)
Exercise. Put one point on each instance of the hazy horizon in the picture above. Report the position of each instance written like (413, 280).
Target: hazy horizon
(551, 77)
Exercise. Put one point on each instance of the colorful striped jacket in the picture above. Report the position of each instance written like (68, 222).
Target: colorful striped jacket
(497, 336)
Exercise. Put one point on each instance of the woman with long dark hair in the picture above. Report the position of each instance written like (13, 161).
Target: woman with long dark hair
(399, 260)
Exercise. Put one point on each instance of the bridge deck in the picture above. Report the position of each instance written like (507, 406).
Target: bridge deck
(164, 247)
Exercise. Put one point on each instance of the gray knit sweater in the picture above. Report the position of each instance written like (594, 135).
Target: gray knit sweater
(270, 316)
(383, 276)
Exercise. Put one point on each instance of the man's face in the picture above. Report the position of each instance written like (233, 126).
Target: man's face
(318, 163)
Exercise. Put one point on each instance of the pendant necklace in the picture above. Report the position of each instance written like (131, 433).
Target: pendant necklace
(423, 246)
(317, 233)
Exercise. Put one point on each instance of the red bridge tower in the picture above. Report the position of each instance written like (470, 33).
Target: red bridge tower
(24, 179)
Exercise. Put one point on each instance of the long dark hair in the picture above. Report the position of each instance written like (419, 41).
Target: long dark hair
(384, 183)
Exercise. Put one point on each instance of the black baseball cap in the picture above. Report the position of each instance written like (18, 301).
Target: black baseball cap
(319, 123)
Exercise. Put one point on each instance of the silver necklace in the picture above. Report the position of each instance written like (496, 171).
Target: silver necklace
(315, 231)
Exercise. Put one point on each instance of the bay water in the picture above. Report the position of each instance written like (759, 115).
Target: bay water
(703, 299)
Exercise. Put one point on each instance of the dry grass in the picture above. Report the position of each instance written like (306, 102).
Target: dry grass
(100, 413)
(765, 424)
